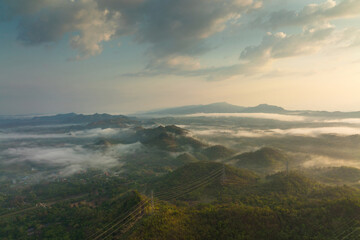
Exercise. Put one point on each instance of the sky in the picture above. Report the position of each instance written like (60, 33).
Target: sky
(124, 56)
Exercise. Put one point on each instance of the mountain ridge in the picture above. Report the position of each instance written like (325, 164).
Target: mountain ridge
(224, 107)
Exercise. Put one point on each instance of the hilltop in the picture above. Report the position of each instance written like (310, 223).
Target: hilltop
(264, 159)
(217, 152)
(170, 138)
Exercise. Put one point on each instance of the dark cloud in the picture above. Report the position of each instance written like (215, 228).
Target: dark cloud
(178, 27)
(253, 59)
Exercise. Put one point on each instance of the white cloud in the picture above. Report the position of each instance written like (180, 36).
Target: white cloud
(258, 133)
(178, 28)
(71, 159)
(258, 59)
(89, 133)
(312, 14)
(323, 161)
(346, 131)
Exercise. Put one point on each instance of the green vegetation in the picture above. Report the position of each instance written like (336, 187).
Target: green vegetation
(200, 191)
(335, 175)
(218, 152)
(263, 160)
(283, 206)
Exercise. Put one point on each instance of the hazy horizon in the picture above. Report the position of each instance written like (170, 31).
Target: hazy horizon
(139, 112)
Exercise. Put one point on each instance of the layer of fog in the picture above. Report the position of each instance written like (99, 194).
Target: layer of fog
(65, 153)
(88, 133)
(319, 161)
(70, 159)
(257, 133)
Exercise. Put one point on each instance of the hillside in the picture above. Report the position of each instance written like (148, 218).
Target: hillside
(217, 152)
(117, 122)
(169, 138)
(186, 158)
(264, 159)
(335, 175)
(285, 206)
(201, 180)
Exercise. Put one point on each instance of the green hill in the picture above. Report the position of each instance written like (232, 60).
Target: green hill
(217, 152)
(285, 206)
(262, 160)
(169, 138)
(293, 183)
(335, 175)
(201, 180)
(186, 158)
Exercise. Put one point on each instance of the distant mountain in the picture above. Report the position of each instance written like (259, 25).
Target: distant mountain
(264, 108)
(93, 121)
(221, 107)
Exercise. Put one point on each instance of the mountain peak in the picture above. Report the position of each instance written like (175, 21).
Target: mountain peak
(264, 108)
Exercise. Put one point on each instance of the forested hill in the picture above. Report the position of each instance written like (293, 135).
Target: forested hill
(284, 206)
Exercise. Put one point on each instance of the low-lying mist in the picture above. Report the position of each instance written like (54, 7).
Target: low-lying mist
(62, 154)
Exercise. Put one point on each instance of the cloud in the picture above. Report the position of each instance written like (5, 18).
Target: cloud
(324, 161)
(88, 133)
(256, 59)
(343, 120)
(280, 45)
(71, 159)
(48, 21)
(274, 46)
(172, 29)
(180, 26)
(172, 64)
(176, 32)
(344, 131)
(258, 133)
(309, 15)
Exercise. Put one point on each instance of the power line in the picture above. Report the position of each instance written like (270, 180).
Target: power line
(351, 224)
(124, 224)
(192, 188)
(204, 180)
(184, 187)
(356, 229)
(116, 219)
(120, 221)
